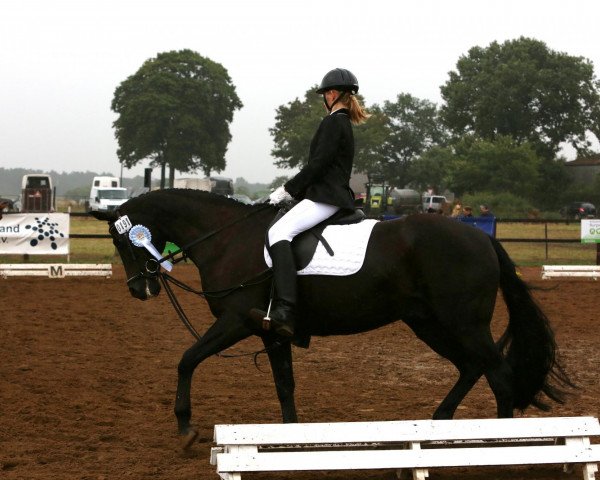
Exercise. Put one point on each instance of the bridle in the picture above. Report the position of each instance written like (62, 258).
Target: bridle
(152, 270)
(152, 265)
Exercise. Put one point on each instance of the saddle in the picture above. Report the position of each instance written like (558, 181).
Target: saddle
(305, 244)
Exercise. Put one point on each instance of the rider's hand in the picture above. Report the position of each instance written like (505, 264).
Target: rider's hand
(280, 195)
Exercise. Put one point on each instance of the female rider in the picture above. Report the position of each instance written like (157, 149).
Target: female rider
(322, 187)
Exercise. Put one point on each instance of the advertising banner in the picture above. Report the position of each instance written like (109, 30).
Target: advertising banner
(590, 231)
(35, 234)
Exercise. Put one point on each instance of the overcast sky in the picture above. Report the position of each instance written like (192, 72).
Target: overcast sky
(61, 61)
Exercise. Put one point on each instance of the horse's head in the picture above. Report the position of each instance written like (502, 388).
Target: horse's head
(141, 267)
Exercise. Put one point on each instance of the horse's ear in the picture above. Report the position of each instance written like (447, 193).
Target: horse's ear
(108, 216)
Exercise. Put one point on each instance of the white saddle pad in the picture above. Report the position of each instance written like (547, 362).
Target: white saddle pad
(349, 245)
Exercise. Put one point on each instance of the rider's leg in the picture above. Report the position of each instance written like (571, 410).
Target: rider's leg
(301, 217)
(283, 311)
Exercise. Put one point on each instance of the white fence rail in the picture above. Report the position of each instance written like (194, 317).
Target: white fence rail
(55, 270)
(553, 271)
(416, 445)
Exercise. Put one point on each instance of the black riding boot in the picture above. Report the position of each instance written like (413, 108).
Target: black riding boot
(283, 311)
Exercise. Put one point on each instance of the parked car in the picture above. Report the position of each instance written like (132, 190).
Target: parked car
(578, 210)
(433, 203)
(241, 198)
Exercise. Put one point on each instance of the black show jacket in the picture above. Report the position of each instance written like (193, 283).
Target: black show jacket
(326, 176)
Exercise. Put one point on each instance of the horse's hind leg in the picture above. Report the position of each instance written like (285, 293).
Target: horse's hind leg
(466, 381)
(473, 354)
(434, 334)
(280, 356)
(481, 356)
(500, 379)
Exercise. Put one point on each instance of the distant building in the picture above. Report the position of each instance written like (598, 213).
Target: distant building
(584, 170)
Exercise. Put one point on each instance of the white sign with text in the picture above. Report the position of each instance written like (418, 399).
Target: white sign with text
(35, 234)
(590, 231)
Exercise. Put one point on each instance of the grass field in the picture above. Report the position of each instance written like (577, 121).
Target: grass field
(86, 250)
(531, 254)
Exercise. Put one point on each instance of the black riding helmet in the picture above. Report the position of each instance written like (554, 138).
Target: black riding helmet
(339, 79)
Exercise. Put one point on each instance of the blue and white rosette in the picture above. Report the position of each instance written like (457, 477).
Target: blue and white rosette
(140, 236)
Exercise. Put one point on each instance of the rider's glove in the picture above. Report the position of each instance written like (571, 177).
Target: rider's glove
(280, 195)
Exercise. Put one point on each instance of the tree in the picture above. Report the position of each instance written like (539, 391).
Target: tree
(412, 128)
(526, 91)
(430, 170)
(278, 181)
(494, 166)
(296, 123)
(370, 140)
(175, 110)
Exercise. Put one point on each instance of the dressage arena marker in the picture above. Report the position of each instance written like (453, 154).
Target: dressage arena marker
(56, 270)
(591, 271)
(417, 445)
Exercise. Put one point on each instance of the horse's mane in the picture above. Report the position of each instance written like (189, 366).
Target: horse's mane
(196, 195)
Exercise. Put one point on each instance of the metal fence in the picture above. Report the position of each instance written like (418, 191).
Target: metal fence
(545, 240)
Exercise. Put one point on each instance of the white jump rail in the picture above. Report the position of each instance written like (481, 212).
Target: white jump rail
(553, 271)
(55, 270)
(417, 445)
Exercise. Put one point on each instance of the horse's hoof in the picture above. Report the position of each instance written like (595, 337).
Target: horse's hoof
(189, 438)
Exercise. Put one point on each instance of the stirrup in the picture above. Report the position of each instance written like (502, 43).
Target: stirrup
(266, 322)
(261, 317)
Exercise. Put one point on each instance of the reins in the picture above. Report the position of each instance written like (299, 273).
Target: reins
(214, 232)
(167, 279)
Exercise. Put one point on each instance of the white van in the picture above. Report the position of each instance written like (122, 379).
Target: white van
(433, 203)
(106, 182)
(106, 194)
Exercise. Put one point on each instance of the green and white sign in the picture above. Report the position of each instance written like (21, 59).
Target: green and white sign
(590, 231)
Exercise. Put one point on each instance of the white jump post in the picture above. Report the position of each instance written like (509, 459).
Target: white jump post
(416, 445)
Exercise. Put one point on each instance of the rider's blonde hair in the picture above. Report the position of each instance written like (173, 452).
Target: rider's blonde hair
(358, 114)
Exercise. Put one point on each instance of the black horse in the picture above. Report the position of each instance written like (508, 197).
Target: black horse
(439, 276)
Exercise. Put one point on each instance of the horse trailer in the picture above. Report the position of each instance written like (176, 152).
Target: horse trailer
(37, 193)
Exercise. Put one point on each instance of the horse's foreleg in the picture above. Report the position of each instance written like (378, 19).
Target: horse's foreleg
(225, 332)
(280, 356)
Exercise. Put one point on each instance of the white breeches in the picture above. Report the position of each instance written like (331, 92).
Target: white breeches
(304, 215)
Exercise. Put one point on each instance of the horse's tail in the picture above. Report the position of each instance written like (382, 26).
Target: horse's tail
(528, 343)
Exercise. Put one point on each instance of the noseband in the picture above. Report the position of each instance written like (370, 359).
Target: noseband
(151, 266)
(152, 270)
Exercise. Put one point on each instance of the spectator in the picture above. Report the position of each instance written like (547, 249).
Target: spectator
(457, 209)
(467, 212)
(485, 211)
